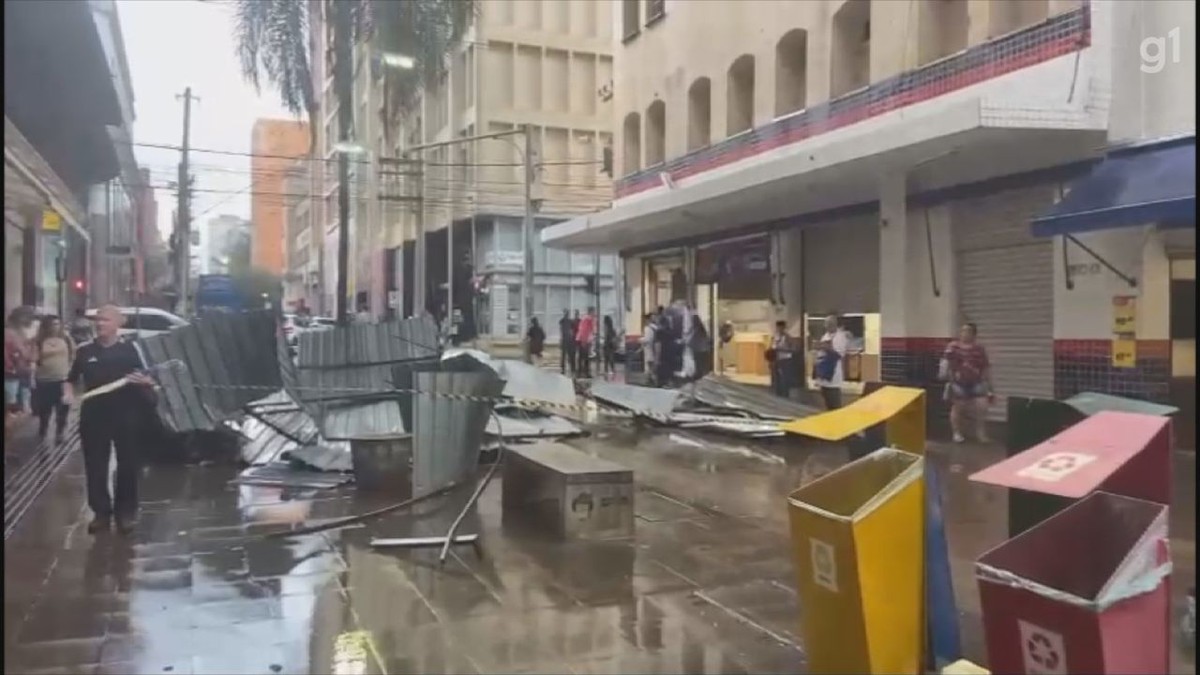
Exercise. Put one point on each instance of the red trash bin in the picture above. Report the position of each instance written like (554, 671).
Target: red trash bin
(1123, 453)
(1085, 591)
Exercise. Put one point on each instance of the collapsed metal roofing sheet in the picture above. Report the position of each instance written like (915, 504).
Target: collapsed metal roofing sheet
(645, 400)
(285, 475)
(368, 419)
(212, 368)
(530, 383)
(364, 344)
(448, 432)
(721, 392)
(520, 423)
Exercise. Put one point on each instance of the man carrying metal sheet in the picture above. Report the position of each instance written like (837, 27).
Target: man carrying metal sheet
(111, 417)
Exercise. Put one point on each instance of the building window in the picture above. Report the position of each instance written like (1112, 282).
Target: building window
(699, 114)
(740, 101)
(851, 62)
(791, 72)
(1006, 17)
(943, 28)
(655, 10)
(629, 19)
(656, 136)
(632, 155)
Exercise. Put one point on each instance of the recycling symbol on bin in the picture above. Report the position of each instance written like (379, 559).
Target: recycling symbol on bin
(1056, 466)
(1043, 650)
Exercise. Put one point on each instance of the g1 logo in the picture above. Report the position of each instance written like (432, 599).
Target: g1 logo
(1154, 52)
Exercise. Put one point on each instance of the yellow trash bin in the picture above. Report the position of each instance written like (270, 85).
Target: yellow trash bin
(858, 542)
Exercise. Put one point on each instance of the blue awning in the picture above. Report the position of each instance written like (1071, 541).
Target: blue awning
(1153, 183)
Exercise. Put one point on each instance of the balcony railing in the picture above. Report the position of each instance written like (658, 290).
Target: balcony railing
(1061, 34)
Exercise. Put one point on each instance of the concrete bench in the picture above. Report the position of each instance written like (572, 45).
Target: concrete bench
(566, 493)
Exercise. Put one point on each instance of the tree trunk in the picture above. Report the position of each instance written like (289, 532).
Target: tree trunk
(343, 82)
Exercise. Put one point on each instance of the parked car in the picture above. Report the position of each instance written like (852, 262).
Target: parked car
(293, 328)
(144, 322)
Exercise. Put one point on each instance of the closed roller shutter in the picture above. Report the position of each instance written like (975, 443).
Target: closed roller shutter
(841, 266)
(1006, 287)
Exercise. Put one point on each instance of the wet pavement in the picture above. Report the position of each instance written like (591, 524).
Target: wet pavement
(707, 586)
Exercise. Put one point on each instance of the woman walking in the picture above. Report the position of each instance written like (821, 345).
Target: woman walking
(55, 351)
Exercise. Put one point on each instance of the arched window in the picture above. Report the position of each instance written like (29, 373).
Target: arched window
(699, 114)
(851, 62)
(656, 133)
(1006, 17)
(943, 28)
(740, 101)
(791, 72)
(631, 152)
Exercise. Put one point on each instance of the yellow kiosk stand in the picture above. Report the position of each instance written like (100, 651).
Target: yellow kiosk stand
(878, 518)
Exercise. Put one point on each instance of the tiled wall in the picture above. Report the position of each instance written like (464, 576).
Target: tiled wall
(912, 359)
(1086, 365)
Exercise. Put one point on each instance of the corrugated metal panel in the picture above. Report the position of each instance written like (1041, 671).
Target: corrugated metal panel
(363, 344)
(213, 368)
(720, 392)
(645, 400)
(371, 419)
(448, 432)
(520, 423)
(841, 266)
(1005, 286)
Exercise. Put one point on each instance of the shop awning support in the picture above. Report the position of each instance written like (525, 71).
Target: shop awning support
(1097, 257)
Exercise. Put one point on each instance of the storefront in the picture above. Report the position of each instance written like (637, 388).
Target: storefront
(1002, 272)
(840, 276)
(1129, 226)
(735, 291)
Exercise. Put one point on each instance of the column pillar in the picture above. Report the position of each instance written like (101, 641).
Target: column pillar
(917, 291)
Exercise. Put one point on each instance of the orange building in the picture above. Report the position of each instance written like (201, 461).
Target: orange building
(274, 145)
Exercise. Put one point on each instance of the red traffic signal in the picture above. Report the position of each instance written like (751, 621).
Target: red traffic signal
(78, 284)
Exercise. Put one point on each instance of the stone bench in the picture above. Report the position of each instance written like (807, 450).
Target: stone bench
(567, 493)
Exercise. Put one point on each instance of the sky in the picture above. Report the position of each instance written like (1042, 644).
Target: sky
(173, 44)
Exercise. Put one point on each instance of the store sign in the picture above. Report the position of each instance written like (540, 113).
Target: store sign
(1124, 314)
(1124, 353)
(726, 262)
(51, 221)
(504, 259)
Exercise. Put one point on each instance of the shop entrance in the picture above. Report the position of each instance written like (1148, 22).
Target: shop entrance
(733, 296)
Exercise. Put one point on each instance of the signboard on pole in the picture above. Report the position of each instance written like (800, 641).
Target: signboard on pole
(51, 221)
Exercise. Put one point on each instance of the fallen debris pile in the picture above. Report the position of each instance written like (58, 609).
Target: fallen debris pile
(713, 403)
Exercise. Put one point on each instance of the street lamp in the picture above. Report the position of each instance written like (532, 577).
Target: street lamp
(397, 61)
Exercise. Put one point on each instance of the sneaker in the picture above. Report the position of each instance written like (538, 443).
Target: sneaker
(958, 438)
(99, 524)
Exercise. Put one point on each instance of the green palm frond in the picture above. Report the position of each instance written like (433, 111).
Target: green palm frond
(427, 31)
(272, 40)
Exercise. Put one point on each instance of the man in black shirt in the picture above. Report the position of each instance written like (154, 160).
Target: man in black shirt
(566, 342)
(110, 420)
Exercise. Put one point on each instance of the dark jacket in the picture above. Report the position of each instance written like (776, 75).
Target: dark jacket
(537, 340)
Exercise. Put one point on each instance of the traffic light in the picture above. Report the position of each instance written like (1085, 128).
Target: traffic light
(78, 285)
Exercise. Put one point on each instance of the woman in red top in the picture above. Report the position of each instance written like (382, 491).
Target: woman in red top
(967, 371)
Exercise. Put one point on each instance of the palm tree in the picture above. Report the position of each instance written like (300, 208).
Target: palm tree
(273, 41)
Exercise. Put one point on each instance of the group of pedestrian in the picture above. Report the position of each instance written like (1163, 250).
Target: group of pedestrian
(47, 369)
(577, 335)
(38, 353)
(676, 346)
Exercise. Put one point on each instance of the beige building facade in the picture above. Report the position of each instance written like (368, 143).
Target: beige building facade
(888, 161)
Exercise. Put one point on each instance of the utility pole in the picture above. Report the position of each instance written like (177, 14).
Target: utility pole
(527, 234)
(343, 82)
(183, 222)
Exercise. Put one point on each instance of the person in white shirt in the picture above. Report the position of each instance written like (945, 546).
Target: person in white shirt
(650, 347)
(829, 369)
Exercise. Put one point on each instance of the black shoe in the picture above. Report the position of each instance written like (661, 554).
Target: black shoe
(99, 524)
(126, 524)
